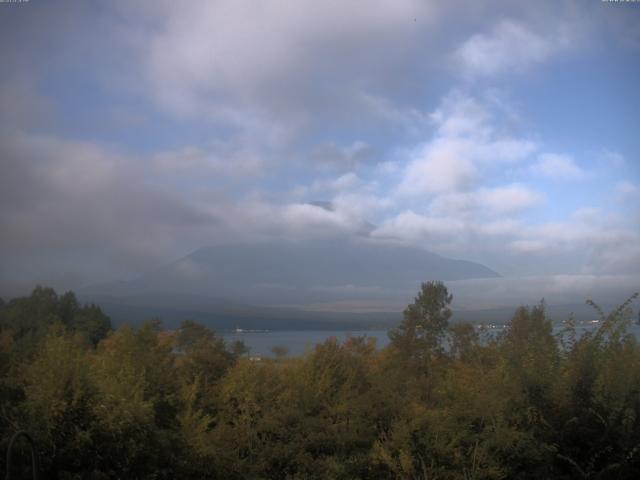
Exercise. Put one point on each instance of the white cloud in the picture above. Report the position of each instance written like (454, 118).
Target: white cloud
(409, 225)
(461, 115)
(510, 46)
(441, 166)
(463, 224)
(588, 214)
(258, 219)
(486, 225)
(508, 199)
(610, 159)
(341, 157)
(593, 240)
(237, 59)
(528, 246)
(488, 202)
(467, 142)
(363, 205)
(504, 227)
(618, 255)
(328, 187)
(505, 151)
(627, 191)
(231, 159)
(309, 220)
(559, 289)
(558, 167)
(408, 119)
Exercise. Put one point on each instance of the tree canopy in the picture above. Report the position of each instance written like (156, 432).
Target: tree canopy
(441, 401)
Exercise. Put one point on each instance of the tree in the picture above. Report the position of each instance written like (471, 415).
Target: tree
(420, 335)
(92, 323)
(136, 402)
(530, 350)
(599, 409)
(238, 348)
(191, 333)
(464, 341)
(204, 354)
(30, 317)
(280, 351)
(56, 408)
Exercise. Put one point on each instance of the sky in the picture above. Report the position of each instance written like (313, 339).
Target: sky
(506, 133)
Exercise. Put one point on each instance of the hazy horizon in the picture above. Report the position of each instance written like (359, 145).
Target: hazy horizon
(135, 133)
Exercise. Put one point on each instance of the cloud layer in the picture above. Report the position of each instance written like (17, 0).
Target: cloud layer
(234, 122)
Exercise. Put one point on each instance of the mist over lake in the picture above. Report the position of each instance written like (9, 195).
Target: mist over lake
(297, 343)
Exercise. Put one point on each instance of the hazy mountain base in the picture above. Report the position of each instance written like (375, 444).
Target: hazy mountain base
(213, 283)
(150, 404)
(225, 316)
(248, 286)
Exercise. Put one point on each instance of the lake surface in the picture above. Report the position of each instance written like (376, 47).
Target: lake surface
(299, 342)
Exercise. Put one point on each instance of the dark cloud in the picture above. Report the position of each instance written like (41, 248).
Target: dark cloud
(62, 198)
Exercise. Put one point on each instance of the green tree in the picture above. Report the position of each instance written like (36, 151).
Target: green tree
(92, 323)
(57, 396)
(136, 403)
(280, 351)
(464, 341)
(419, 336)
(204, 354)
(598, 425)
(29, 318)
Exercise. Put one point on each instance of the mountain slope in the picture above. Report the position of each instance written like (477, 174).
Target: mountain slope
(272, 272)
(269, 274)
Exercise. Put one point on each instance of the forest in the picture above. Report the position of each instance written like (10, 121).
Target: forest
(442, 401)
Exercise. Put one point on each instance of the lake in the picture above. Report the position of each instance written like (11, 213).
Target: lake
(299, 342)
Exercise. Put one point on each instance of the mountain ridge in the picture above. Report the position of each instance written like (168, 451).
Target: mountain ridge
(267, 275)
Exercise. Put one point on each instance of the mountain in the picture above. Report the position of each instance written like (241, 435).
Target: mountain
(270, 276)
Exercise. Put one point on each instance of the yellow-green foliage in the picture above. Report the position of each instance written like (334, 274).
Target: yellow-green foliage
(437, 403)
